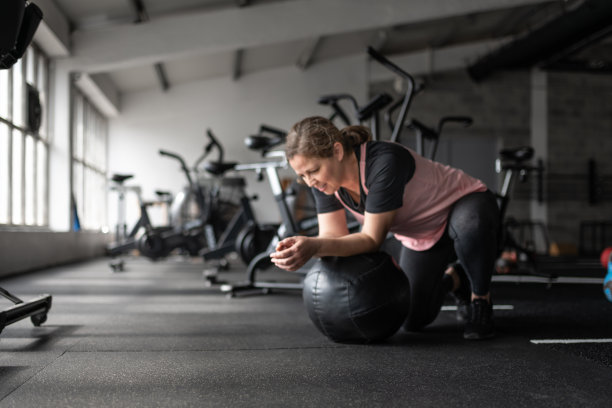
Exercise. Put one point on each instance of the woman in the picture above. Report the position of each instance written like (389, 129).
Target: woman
(436, 212)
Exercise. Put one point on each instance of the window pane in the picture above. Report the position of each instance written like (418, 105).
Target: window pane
(18, 90)
(101, 149)
(41, 184)
(4, 94)
(17, 184)
(78, 189)
(89, 213)
(78, 128)
(4, 173)
(101, 192)
(95, 201)
(42, 88)
(30, 61)
(29, 181)
(89, 130)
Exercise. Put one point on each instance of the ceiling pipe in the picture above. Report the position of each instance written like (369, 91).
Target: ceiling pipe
(581, 26)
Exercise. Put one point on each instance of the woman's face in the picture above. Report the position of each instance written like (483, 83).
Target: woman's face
(320, 173)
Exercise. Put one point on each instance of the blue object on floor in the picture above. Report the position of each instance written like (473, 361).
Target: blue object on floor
(607, 283)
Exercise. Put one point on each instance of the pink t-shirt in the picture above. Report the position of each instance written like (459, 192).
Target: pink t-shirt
(427, 200)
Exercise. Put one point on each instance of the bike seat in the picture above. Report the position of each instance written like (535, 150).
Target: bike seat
(517, 154)
(120, 178)
(219, 168)
(331, 99)
(260, 142)
(163, 194)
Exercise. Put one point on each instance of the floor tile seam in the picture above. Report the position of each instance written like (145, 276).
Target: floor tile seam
(38, 371)
(204, 350)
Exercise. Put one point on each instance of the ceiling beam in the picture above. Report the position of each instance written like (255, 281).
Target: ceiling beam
(142, 17)
(140, 10)
(239, 53)
(237, 66)
(307, 55)
(380, 39)
(171, 37)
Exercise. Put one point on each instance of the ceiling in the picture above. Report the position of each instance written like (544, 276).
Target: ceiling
(144, 44)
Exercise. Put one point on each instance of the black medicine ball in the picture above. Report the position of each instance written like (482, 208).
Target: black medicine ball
(357, 299)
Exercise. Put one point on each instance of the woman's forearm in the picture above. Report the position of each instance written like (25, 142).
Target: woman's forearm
(346, 245)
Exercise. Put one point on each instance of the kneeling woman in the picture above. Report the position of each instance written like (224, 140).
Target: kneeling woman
(437, 213)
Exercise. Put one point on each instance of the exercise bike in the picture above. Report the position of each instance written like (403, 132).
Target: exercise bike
(239, 233)
(274, 160)
(125, 241)
(516, 256)
(188, 231)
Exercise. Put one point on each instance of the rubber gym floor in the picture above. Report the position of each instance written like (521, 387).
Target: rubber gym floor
(156, 336)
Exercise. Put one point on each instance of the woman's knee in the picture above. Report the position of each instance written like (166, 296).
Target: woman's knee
(475, 215)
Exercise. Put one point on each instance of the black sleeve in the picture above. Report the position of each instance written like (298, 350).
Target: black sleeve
(325, 203)
(389, 167)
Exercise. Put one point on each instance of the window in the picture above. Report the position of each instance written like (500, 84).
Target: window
(24, 145)
(89, 140)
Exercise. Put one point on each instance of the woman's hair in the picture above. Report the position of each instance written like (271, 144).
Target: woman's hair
(315, 137)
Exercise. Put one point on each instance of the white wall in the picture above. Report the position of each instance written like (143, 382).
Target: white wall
(177, 119)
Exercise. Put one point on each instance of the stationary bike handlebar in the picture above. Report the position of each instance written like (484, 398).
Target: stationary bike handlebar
(262, 142)
(214, 143)
(333, 101)
(462, 120)
(184, 167)
(280, 133)
(410, 91)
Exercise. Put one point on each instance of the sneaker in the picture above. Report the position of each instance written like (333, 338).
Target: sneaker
(463, 294)
(480, 321)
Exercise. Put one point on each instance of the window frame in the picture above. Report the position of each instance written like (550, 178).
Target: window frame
(30, 209)
(89, 163)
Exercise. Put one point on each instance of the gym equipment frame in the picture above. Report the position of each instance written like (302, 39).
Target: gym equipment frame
(36, 309)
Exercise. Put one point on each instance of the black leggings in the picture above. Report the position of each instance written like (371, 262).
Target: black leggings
(471, 237)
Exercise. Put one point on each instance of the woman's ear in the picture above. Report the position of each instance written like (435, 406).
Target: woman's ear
(338, 151)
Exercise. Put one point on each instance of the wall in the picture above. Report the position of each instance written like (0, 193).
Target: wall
(177, 120)
(580, 129)
(22, 251)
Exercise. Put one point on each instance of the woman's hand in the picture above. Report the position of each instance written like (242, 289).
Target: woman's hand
(293, 252)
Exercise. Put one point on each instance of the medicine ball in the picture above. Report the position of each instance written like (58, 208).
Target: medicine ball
(357, 299)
